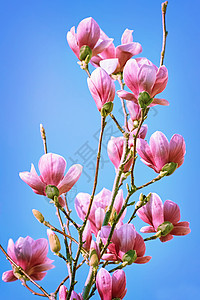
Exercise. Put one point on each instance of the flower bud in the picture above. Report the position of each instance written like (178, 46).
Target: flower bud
(85, 53)
(165, 228)
(51, 191)
(38, 215)
(53, 241)
(168, 168)
(106, 109)
(94, 254)
(144, 99)
(129, 257)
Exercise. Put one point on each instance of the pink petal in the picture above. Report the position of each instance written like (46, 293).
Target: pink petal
(81, 204)
(177, 149)
(110, 257)
(38, 276)
(126, 235)
(52, 167)
(88, 32)
(11, 250)
(139, 246)
(99, 217)
(127, 36)
(72, 41)
(39, 251)
(70, 178)
(145, 153)
(159, 102)
(142, 260)
(161, 81)
(62, 293)
(147, 229)
(104, 284)
(180, 230)
(160, 149)
(115, 150)
(23, 252)
(118, 284)
(119, 201)
(130, 74)
(146, 78)
(166, 238)
(134, 110)
(109, 65)
(8, 276)
(101, 46)
(171, 212)
(126, 51)
(33, 180)
(127, 96)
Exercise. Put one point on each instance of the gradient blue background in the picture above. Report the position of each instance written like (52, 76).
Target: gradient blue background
(42, 83)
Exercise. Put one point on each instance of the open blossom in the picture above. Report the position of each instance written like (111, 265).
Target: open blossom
(155, 213)
(113, 59)
(160, 152)
(124, 239)
(31, 256)
(88, 34)
(111, 287)
(141, 75)
(99, 206)
(102, 87)
(115, 148)
(52, 167)
(63, 294)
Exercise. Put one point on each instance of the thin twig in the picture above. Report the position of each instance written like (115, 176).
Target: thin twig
(23, 272)
(43, 135)
(150, 182)
(116, 122)
(32, 291)
(165, 32)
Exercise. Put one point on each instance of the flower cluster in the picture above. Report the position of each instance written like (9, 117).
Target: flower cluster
(104, 238)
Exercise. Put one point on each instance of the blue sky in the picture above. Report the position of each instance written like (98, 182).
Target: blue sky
(41, 82)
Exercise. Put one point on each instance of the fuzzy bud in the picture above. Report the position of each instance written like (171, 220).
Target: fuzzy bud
(106, 109)
(37, 214)
(85, 53)
(51, 191)
(129, 257)
(144, 99)
(169, 168)
(53, 241)
(165, 228)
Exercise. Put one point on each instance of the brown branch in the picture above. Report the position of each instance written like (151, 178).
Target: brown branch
(165, 32)
(43, 135)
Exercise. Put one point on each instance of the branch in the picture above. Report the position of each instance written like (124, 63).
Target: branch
(43, 135)
(165, 32)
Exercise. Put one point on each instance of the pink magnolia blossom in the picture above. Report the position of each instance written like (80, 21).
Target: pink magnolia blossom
(88, 34)
(141, 75)
(134, 110)
(155, 213)
(52, 167)
(101, 87)
(160, 152)
(31, 256)
(100, 203)
(113, 59)
(63, 294)
(124, 239)
(110, 287)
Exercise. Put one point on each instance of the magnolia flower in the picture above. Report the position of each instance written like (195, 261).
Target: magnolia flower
(110, 287)
(88, 34)
(31, 256)
(141, 75)
(159, 217)
(113, 59)
(52, 167)
(101, 87)
(99, 206)
(63, 294)
(124, 239)
(159, 152)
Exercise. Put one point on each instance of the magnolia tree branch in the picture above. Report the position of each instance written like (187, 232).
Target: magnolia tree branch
(24, 273)
(165, 32)
(43, 135)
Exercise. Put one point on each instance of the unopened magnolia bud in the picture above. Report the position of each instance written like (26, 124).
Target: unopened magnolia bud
(169, 168)
(141, 197)
(148, 197)
(51, 191)
(135, 123)
(129, 257)
(37, 214)
(165, 228)
(53, 241)
(94, 260)
(106, 109)
(144, 99)
(85, 53)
